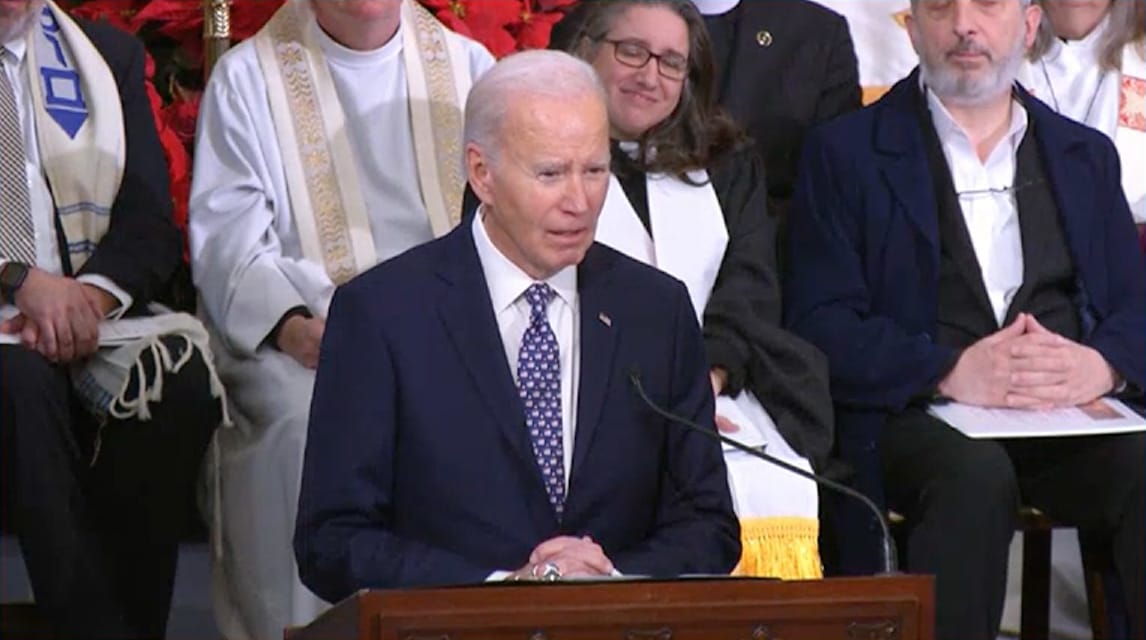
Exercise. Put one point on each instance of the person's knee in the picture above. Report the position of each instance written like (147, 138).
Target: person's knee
(982, 474)
(25, 375)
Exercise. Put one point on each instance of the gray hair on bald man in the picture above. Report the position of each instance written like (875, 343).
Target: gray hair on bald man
(544, 73)
(1022, 3)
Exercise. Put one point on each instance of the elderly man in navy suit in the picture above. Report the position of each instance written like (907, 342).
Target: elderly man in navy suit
(960, 240)
(475, 415)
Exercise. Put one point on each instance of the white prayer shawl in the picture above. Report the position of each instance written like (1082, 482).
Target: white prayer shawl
(1117, 107)
(79, 128)
(691, 238)
(82, 145)
(324, 186)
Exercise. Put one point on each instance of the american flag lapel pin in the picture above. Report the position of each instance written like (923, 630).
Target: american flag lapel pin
(605, 319)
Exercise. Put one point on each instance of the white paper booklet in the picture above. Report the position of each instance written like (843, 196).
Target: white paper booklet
(1105, 415)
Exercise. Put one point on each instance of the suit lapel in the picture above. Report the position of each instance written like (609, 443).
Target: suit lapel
(468, 316)
(598, 342)
(903, 162)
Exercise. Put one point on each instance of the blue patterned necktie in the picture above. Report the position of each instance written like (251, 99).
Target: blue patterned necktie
(539, 383)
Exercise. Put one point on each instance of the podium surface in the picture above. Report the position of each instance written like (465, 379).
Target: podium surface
(876, 608)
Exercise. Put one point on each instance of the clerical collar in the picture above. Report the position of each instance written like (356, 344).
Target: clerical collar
(715, 7)
(346, 56)
(1090, 44)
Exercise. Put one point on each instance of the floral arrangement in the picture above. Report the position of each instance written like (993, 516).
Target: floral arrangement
(172, 32)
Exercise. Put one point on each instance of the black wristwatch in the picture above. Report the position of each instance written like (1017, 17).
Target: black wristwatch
(12, 276)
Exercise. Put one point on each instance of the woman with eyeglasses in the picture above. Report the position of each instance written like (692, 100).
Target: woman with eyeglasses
(688, 196)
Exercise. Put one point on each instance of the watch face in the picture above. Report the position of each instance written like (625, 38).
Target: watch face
(11, 277)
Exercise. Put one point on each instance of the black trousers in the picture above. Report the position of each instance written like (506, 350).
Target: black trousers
(101, 541)
(960, 498)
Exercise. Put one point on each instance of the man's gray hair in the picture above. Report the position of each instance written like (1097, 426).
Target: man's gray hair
(1024, 3)
(544, 73)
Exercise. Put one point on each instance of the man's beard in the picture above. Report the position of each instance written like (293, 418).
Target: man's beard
(966, 89)
(13, 29)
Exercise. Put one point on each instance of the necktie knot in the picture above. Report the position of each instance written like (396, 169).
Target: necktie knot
(539, 295)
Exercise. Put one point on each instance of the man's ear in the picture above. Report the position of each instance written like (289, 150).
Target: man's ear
(479, 172)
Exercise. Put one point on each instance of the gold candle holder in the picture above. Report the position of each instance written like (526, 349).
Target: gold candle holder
(216, 32)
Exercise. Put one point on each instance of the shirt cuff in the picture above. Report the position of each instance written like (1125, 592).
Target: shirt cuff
(498, 576)
(110, 287)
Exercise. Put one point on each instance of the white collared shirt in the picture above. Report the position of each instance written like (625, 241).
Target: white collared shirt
(507, 284)
(715, 7)
(987, 199)
(40, 197)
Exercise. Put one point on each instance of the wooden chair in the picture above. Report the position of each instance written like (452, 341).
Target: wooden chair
(1034, 614)
(1096, 566)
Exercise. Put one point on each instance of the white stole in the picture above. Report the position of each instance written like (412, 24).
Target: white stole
(325, 190)
(691, 238)
(1130, 136)
(79, 128)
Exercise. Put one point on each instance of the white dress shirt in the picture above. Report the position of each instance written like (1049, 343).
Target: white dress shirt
(987, 199)
(715, 7)
(40, 197)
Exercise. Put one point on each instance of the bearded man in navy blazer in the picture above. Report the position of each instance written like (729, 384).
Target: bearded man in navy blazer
(474, 416)
(959, 240)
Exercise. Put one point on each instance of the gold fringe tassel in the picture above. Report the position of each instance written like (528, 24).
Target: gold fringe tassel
(780, 547)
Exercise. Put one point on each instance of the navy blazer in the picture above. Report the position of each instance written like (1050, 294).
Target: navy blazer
(864, 251)
(418, 466)
(142, 249)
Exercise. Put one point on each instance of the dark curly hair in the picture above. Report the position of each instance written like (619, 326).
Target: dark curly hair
(699, 132)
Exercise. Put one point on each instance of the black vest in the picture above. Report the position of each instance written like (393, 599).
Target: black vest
(1049, 288)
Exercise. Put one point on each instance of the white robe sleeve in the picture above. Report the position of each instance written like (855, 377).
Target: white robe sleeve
(245, 255)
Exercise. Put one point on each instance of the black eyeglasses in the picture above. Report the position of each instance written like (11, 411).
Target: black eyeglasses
(998, 191)
(632, 53)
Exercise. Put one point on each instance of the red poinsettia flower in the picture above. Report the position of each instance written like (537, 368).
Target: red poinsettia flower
(536, 29)
(118, 13)
(247, 17)
(174, 151)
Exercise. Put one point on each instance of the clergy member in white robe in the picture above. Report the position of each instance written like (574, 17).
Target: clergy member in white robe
(1096, 74)
(688, 196)
(327, 143)
(1089, 64)
(879, 34)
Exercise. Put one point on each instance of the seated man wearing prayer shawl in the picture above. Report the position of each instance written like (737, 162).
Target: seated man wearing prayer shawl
(689, 197)
(328, 142)
(102, 443)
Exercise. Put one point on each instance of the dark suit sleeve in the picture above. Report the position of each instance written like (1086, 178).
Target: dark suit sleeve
(696, 530)
(344, 538)
(1120, 335)
(742, 329)
(874, 362)
(841, 91)
(142, 247)
(747, 289)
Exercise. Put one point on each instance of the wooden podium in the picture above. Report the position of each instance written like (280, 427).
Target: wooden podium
(877, 608)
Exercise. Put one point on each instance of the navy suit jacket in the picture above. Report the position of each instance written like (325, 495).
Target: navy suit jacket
(419, 469)
(864, 251)
(142, 249)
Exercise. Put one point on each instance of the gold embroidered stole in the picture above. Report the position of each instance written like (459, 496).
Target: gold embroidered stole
(326, 196)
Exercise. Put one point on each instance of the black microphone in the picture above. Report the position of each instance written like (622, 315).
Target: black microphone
(890, 561)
